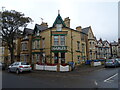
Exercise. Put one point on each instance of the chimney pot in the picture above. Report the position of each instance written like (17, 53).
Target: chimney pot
(67, 22)
(79, 28)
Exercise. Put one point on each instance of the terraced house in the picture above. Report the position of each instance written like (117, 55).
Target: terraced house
(16, 50)
(114, 49)
(90, 43)
(38, 43)
(59, 43)
(25, 45)
(103, 49)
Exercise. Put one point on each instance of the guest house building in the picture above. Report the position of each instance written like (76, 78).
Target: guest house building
(59, 43)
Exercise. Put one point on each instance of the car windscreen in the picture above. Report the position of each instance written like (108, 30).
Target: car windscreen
(109, 60)
(24, 63)
(118, 59)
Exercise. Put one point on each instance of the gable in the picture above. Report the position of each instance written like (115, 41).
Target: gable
(90, 34)
(59, 20)
(106, 44)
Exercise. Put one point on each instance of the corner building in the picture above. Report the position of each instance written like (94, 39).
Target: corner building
(58, 44)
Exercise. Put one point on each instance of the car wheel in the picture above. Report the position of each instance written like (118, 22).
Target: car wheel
(105, 66)
(17, 71)
(9, 70)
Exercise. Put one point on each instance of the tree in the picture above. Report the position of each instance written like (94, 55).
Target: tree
(12, 21)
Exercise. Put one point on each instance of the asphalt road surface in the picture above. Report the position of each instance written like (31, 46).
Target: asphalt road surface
(101, 78)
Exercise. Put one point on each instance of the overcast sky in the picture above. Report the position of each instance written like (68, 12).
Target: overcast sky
(101, 15)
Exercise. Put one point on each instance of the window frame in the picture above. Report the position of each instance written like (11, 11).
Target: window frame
(62, 40)
(56, 40)
(58, 27)
(78, 45)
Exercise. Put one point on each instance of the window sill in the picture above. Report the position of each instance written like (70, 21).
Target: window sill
(78, 51)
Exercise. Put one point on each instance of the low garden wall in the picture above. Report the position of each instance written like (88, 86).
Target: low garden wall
(64, 68)
(52, 67)
(97, 63)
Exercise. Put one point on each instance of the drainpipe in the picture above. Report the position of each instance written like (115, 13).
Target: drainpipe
(50, 46)
(72, 45)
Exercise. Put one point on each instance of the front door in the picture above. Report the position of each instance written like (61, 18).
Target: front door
(56, 58)
(62, 58)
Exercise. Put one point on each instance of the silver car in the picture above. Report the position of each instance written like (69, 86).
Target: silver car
(118, 59)
(111, 63)
(19, 67)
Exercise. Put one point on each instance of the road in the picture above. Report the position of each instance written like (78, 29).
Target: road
(101, 78)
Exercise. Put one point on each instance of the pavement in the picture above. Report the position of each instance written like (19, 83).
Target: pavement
(77, 71)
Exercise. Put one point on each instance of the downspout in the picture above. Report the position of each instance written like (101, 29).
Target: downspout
(72, 45)
(50, 46)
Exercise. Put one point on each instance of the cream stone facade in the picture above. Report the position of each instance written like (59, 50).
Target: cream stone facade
(90, 43)
(25, 45)
(1, 49)
(58, 44)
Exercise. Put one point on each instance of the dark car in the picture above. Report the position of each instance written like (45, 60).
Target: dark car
(111, 63)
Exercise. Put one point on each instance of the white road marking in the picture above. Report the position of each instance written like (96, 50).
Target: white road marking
(95, 83)
(108, 80)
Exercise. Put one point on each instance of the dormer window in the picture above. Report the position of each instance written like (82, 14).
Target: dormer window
(26, 37)
(38, 33)
(59, 27)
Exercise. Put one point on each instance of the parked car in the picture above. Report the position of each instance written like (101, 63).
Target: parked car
(19, 67)
(118, 59)
(111, 63)
(2, 66)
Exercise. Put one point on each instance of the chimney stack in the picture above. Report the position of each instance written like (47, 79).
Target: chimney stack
(44, 24)
(67, 22)
(79, 28)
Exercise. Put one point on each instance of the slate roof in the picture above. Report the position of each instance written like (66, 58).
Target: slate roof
(103, 42)
(28, 31)
(86, 30)
(114, 43)
(59, 20)
(40, 27)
